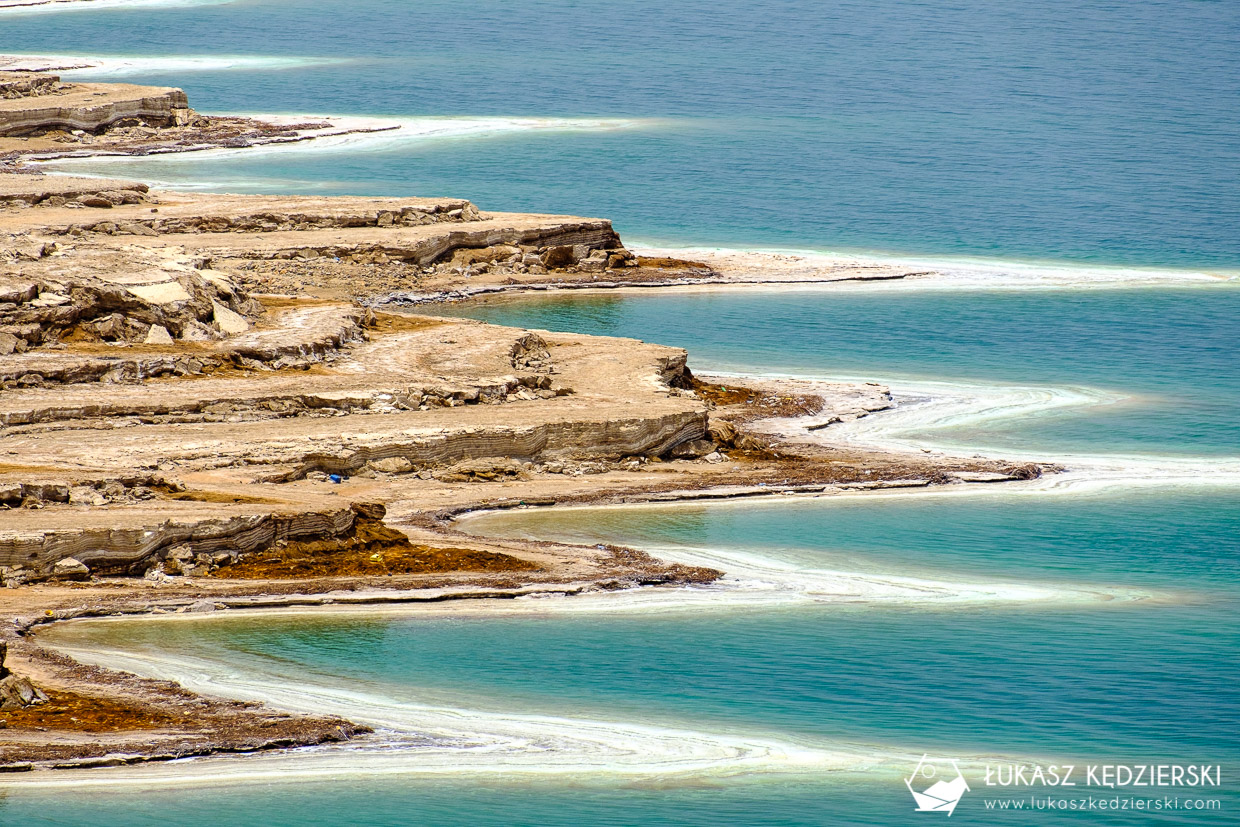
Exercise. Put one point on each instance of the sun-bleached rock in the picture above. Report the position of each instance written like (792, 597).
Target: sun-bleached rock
(37, 189)
(70, 568)
(228, 321)
(165, 292)
(158, 335)
(391, 465)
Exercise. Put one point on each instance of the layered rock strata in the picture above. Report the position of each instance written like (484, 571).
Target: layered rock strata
(32, 103)
(149, 404)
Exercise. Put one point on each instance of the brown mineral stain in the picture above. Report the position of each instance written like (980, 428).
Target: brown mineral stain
(84, 713)
(371, 549)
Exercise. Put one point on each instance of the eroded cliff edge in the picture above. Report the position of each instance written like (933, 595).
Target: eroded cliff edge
(201, 408)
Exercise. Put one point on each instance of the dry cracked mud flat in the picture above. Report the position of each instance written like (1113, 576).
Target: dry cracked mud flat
(201, 408)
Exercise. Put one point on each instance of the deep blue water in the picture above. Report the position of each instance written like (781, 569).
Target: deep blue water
(1087, 131)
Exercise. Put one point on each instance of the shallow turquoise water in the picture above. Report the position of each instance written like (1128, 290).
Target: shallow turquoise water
(1074, 680)
(1094, 681)
(1121, 681)
(1092, 131)
(370, 804)
(1166, 358)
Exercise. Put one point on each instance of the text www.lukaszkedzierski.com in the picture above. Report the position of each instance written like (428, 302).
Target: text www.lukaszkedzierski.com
(1164, 803)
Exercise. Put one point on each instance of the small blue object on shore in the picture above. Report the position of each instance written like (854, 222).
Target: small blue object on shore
(336, 478)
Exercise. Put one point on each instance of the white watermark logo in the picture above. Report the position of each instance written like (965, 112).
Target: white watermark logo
(944, 789)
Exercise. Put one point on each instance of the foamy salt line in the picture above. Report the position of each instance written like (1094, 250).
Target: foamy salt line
(854, 272)
(923, 407)
(344, 134)
(421, 739)
(84, 67)
(50, 6)
(755, 581)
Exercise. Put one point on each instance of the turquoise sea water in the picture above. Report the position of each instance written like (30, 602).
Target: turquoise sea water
(1097, 132)
(1092, 681)
(1158, 367)
(1146, 675)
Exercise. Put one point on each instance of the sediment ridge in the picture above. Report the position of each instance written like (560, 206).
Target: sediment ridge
(204, 406)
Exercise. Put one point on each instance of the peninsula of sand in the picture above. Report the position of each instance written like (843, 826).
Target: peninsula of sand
(210, 402)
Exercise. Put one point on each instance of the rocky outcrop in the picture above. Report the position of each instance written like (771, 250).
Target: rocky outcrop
(635, 436)
(259, 405)
(166, 420)
(307, 336)
(91, 107)
(37, 312)
(584, 234)
(26, 84)
(35, 555)
(16, 692)
(58, 190)
(269, 221)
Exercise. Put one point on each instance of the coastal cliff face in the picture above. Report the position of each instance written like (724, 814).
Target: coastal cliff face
(202, 409)
(122, 312)
(161, 409)
(133, 550)
(32, 103)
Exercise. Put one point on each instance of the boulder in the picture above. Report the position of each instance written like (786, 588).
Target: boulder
(14, 576)
(51, 300)
(85, 495)
(70, 569)
(117, 197)
(134, 228)
(486, 469)
(197, 332)
(561, 256)
(50, 492)
(371, 511)
(228, 321)
(391, 465)
(498, 252)
(158, 335)
(18, 292)
(180, 560)
(30, 250)
(722, 432)
(17, 692)
(692, 449)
